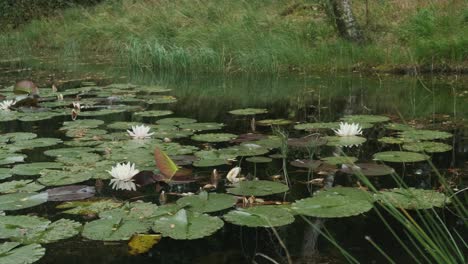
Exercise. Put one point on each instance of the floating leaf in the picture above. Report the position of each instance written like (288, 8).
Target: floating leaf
(336, 160)
(153, 113)
(89, 207)
(20, 186)
(412, 198)
(207, 202)
(187, 225)
(17, 201)
(258, 188)
(368, 169)
(392, 140)
(142, 243)
(64, 177)
(248, 111)
(11, 158)
(58, 230)
(10, 253)
(34, 168)
(400, 156)
(165, 164)
(71, 193)
(113, 229)
(364, 119)
(259, 159)
(274, 122)
(260, 216)
(337, 141)
(5, 173)
(424, 135)
(427, 146)
(313, 126)
(309, 164)
(176, 121)
(214, 137)
(18, 226)
(335, 202)
(202, 126)
(398, 127)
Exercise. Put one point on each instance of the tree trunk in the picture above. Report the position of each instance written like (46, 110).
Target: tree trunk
(345, 21)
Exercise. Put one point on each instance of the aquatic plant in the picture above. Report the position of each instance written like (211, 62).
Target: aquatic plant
(7, 104)
(140, 132)
(348, 130)
(123, 174)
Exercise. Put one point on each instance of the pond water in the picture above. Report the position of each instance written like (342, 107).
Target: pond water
(422, 103)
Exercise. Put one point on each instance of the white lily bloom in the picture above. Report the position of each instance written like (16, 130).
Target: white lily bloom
(140, 132)
(76, 105)
(122, 174)
(348, 130)
(5, 105)
(233, 174)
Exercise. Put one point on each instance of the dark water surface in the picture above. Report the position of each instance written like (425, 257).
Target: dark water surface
(439, 102)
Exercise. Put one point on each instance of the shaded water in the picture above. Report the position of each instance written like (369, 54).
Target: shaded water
(434, 102)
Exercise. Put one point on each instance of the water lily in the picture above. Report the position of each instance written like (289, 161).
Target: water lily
(348, 130)
(140, 132)
(233, 174)
(5, 105)
(122, 174)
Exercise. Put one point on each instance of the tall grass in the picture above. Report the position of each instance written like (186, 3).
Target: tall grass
(249, 36)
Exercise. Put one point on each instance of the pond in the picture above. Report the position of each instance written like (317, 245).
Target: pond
(282, 131)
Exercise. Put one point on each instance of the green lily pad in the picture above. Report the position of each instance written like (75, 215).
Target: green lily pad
(335, 202)
(260, 216)
(400, 156)
(258, 188)
(274, 122)
(81, 124)
(152, 113)
(58, 230)
(12, 253)
(392, 140)
(314, 126)
(177, 133)
(209, 162)
(21, 225)
(187, 225)
(39, 116)
(36, 143)
(11, 158)
(412, 198)
(113, 229)
(64, 177)
(176, 121)
(248, 111)
(20, 186)
(398, 127)
(427, 146)
(34, 168)
(102, 112)
(259, 159)
(152, 89)
(207, 202)
(68, 152)
(5, 173)
(424, 135)
(214, 137)
(161, 99)
(120, 125)
(368, 169)
(364, 119)
(202, 126)
(174, 149)
(336, 160)
(337, 141)
(17, 201)
(89, 207)
(17, 136)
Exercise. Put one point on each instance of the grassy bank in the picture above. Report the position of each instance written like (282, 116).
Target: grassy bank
(250, 36)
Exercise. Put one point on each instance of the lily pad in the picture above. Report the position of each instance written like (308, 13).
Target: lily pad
(412, 198)
(368, 169)
(335, 202)
(11, 158)
(5, 173)
(214, 137)
(274, 122)
(364, 119)
(260, 216)
(207, 202)
(398, 127)
(113, 229)
(187, 225)
(161, 99)
(21, 225)
(153, 113)
(259, 159)
(309, 164)
(18, 201)
(89, 207)
(12, 253)
(35, 168)
(202, 126)
(400, 156)
(258, 188)
(314, 126)
(427, 146)
(20, 186)
(392, 140)
(337, 141)
(64, 177)
(176, 121)
(336, 160)
(58, 230)
(424, 134)
(248, 111)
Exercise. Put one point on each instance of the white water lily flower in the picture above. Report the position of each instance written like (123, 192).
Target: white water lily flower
(233, 174)
(122, 174)
(348, 130)
(5, 105)
(140, 132)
